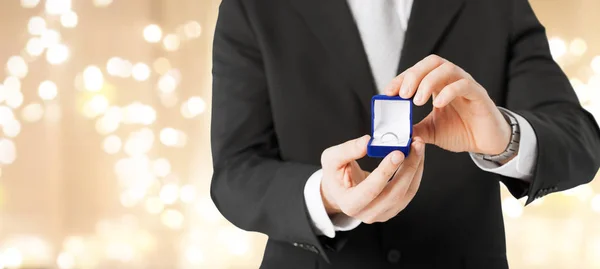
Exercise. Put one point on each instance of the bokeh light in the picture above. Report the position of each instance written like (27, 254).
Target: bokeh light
(558, 47)
(93, 79)
(69, 19)
(58, 7)
(47, 90)
(35, 46)
(17, 66)
(32, 112)
(102, 3)
(171, 42)
(578, 47)
(596, 64)
(29, 3)
(192, 29)
(36, 25)
(140, 72)
(152, 33)
(57, 54)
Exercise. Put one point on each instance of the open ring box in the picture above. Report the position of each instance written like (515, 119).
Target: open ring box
(391, 125)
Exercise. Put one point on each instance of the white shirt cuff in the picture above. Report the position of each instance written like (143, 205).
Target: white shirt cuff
(521, 166)
(316, 210)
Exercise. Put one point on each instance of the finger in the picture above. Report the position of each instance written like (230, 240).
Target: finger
(410, 193)
(355, 177)
(337, 157)
(425, 129)
(461, 88)
(392, 196)
(410, 79)
(435, 80)
(362, 194)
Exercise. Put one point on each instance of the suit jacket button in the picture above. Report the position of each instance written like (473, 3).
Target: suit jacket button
(295, 244)
(393, 256)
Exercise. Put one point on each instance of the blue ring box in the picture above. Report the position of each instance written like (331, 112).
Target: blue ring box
(391, 125)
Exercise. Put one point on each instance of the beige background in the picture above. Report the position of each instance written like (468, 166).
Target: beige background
(61, 201)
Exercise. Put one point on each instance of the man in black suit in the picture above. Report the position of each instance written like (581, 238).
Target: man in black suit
(292, 83)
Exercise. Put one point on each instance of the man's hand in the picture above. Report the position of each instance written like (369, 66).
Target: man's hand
(346, 189)
(464, 118)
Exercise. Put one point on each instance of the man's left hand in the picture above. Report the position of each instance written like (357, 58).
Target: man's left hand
(464, 118)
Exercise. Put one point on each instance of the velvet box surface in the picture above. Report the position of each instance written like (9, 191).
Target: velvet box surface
(391, 125)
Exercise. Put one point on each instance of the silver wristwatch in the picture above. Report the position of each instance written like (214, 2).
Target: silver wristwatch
(513, 146)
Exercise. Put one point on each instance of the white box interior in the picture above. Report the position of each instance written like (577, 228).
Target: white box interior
(391, 116)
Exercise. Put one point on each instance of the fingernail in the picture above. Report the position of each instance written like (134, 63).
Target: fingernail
(389, 89)
(396, 158)
(417, 97)
(404, 90)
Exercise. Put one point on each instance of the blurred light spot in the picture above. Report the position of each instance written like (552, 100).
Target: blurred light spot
(168, 136)
(58, 7)
(596, 203)
(74, 244)
(35, 46)
(36, 25)
(102, 3)
(139, 142)
(139, 113)
(32, 112)
(511, 207)
(154, 205)
(187, 194)
(161, 66)
(95, 106)
(65, 260)
(193, 107)
(8, 151)
(171, 42)
(594, 82)
(167, 83)
(3, 92)
(53, 112)
(578, 47)
(57, 54)
(558, 48)
(69, 19)
(12, 128)
(236, 240)
(169, 193)
(6, 114)
(172, 219)
(12, 258)
(596, 64)
(192, 29)
(14, 99)
(140, 72)
(47, 90)
(50, 37)
(168, 99)
(128, 200)
(17, 66)
(161, 167)
(93, 78)
(152, 33)
(194, 255)
(119, 251)
(12, 84)
(29, 4)
(112, 144)
(207, 210)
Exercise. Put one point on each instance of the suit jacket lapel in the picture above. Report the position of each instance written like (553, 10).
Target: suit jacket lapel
(333, 24)
(428, 23)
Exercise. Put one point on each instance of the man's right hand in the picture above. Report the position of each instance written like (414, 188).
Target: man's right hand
(347, 189)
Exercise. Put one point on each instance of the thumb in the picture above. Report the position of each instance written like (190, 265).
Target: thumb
(425, 130)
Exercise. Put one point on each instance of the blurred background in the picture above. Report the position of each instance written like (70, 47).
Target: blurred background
(104, 146)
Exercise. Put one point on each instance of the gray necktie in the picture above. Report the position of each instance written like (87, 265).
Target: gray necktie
(382, 35)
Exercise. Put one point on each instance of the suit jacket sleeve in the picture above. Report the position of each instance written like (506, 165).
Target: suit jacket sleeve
(568, 136)
(252, 186)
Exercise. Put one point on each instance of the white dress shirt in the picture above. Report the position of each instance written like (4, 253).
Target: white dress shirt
(520, 167)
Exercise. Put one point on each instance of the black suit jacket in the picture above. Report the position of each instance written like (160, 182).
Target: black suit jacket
(291, 78)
